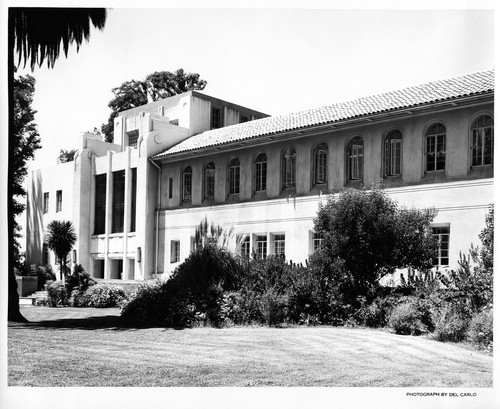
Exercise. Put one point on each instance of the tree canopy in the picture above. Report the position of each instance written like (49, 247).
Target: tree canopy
(61, 238)
(156, 86)
(366, 233)
(66, 155)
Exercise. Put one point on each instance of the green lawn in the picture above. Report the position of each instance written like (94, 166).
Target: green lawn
(89, 347)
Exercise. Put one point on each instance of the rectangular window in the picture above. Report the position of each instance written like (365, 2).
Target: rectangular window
(260, 176)
(245, 247)
(321, 156)
(317, 241)
(100, 204)
(175, 251)
(482, 146)
(170, 187)
(261, 245)
(279, 245)
(118, 201)
(133, 200)
(436, 152)
(209, 183)
(186, 185)
(59, 201)
(395, 156)
(234, 180)
(216, 118)
(442, 235)
(46, 202)
(356, 162)
(45, 254)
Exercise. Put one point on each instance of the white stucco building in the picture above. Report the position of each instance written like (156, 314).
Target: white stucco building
(135, 203)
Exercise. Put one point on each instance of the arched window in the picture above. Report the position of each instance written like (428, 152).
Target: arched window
(320, 164)
(234, 176)
(482, 141)
(261, 172)
(354, 159)
(435, 147)
(187, 184)
(288, 168)
(209, 175)
(393, 153)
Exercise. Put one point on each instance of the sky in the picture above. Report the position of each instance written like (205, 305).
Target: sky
(272, 60)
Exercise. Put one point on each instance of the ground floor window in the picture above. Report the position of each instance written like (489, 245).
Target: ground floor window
(261, 246)
(245, 247)
(442, 235)
(317, 241)
(279, 245)
(175, 251)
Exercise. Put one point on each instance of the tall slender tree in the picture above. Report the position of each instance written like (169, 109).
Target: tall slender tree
(36, 34)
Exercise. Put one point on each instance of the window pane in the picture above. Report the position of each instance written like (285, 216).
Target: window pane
(118, 201)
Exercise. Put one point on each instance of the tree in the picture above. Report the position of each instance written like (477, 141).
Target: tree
(36, 34)
(162, 84)
(25, 142)
(66, 155)
(61, 238)
(366, 236)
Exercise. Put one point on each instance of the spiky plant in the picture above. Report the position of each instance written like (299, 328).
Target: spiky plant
(61, 238)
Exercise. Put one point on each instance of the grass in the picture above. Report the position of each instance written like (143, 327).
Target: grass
(90, 347)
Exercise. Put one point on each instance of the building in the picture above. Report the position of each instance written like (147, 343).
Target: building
(136, 202)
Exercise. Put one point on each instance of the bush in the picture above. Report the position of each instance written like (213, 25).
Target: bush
(55, 291)
(407, 318)
(148, 304)
(100, 296)
(450, 323)
(481, 329)
(274, 307)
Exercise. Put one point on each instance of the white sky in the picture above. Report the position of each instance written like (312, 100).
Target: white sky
(272, 60)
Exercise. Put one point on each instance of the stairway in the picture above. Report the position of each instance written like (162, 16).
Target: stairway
(34, 298)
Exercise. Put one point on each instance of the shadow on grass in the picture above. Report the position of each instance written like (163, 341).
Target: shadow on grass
(111, 322)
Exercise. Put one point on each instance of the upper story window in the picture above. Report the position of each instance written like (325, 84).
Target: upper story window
(354, 159)
(243, 119)
(209, 181)
(234, 176)
(482, 141)
(59, 201)
(100, 204)
(435, 147)
(392, 153)
(216, 120)
(46, 202)
(261, 172)
(133, 203)
(187, 183)
(288, 166)
(320, 164)
(118, 201)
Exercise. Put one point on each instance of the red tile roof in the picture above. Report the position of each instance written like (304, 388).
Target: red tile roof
(433, 92)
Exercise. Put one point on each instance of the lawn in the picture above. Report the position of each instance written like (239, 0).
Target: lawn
(90, 347)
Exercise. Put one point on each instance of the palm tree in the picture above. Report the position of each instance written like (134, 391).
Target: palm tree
(37, 34)
(61, 238)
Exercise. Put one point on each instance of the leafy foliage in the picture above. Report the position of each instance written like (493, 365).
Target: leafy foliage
(156, 86)
(66, 155)
(367, 233)
(100, 295)
(61, 238)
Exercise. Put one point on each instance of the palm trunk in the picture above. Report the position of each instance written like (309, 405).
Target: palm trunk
(14, 313)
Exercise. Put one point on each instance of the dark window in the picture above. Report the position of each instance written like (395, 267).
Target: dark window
(245, 247)
(260, 172)
(216, 118)
(243, 119)
(320, 164)
(354, 162)
(279, 245)
(46, 202)
(442, 235)
(288, 164)
(210, 181)
(133, 200)
(482, 141)
(45, 254)
(234, 176)
(100, 204)
(392, 153)
(435, 148)
(170, 187)
(118, 201)
(187, 177)
(59, 201)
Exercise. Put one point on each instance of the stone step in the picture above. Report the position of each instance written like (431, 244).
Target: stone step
(26, 301)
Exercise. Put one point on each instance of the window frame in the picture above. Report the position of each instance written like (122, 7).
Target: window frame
(233, 174)
(175, 251)
(351, 156)
(473, 129)
(289, 168)
(317, 241)
(260, 175)
(187, 194)
(393, 154)
(209, 181)
(320, 170)
(216, 118)
(58, 201)
(46, 202)
(439, 232)
(279, 244)
(261, 250)
(433, 133)
(100, 203)
(118, 205)
(245, 248)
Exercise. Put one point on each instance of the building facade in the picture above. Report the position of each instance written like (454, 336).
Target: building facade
(135, 203)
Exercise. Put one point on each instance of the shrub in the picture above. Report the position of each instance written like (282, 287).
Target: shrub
(407, 318)
(274, 307)
(101, 296)
(450, 324)
(79, 279)
(148, 304)
(55, 293)
(481, 329)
